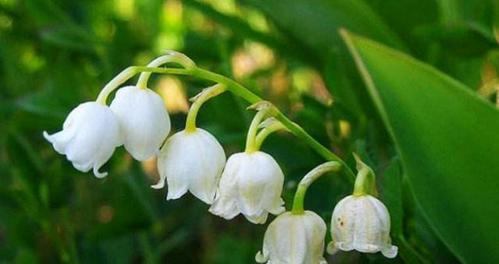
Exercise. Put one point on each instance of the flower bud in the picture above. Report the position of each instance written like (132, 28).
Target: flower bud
(251, 184)
(294, 238)
(361, 223)
(143, 119)
(191, 161)
(89, 136)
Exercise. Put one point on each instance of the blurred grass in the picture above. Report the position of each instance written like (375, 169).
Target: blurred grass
(57, 54)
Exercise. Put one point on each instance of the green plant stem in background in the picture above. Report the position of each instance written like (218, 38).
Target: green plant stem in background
(198, 101)
(233, 87)
(308, 180)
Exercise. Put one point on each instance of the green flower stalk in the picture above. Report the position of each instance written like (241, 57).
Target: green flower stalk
(297, 236)
(192, 159)
(252, 181)
(307, 180)
(198, 101)
(233, 87)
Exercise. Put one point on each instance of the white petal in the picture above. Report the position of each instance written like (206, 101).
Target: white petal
(99, 174)
(173, 167)
(315, 232)
(161, 183)
(225, 203)
(331, 248)
(224, 208)
(261, 258)
(278, 207)
(250, 184)
(390, 251)
(210, 158)
(191, 161)
(59, 140)
(345, 246)
(259, 218)
(271, 200)
(342, 224)
(84, 167)
(366, 248)
(143, 119)
(362, 223)
(294, 238)
(260, 182)
(90, 134)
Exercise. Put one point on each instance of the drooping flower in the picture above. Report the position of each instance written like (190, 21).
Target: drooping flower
(251, 184)
(294, 239)
(89, 136)
(143, 119)
(191, 161)
(361, 223)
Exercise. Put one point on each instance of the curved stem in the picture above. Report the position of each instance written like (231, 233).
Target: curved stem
(128, 73)
(170, 57)
(266, 131)
(297, 130)
(365, 183)
(250, 97)
(253, 129)
(308, 180)
(199, 100)
(115, 83)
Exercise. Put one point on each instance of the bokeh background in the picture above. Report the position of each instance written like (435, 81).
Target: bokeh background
(55, 54)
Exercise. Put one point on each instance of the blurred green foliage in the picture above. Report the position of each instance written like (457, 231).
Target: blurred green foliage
(55, 54)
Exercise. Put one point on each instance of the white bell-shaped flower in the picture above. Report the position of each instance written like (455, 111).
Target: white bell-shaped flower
(191, 161)
(251, 184)
(143, 119)
(294, 239)
(89, 136)
(361, 223)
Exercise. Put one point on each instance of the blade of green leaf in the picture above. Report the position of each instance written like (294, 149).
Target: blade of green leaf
(314, 23)
(446, 137)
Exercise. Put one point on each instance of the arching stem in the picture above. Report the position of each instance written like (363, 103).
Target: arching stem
(365, 183)
(169, 57)
(119, 79)
(126, 74)
(239, 90)
(270, 125)
(198, 101)
(308, 180)
(264, 108)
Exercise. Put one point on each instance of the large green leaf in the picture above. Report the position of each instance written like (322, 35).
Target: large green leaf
(447, 140)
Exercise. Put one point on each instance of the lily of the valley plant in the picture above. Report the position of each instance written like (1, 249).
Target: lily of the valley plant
(248, 183)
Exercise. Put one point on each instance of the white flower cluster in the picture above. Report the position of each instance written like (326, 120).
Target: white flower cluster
(136, 119)
(359, 222)
(248, 183)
